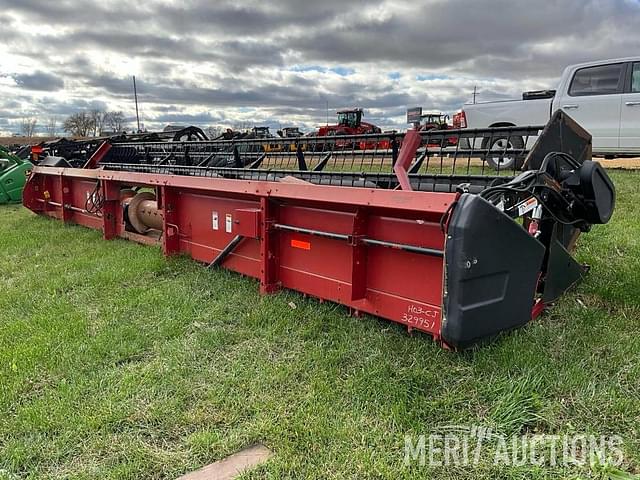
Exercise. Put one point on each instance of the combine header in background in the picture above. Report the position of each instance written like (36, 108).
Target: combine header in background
(425, 236)
(62, 152)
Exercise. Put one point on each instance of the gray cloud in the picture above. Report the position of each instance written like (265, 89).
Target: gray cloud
(43, 81)
(206, 62)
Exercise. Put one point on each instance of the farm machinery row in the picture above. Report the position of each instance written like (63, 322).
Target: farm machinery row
(16, 165)
(423, 233)
(76, 152)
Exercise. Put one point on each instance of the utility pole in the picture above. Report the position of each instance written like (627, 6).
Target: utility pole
(475, 93)
(135, 96)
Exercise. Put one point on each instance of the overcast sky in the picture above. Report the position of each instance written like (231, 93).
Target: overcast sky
(280, 62)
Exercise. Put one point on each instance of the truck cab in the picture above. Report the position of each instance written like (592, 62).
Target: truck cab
(602, 96)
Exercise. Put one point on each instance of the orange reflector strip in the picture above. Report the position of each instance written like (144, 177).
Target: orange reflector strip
(301, 244)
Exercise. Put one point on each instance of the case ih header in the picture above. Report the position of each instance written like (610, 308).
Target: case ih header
(421, 233)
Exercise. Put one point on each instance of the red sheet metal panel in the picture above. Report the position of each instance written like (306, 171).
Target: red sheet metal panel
(304, 237)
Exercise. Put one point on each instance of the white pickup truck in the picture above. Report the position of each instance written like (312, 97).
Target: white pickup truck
(603, 97)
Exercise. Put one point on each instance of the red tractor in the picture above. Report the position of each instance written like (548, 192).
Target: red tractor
(349, 123)
(437, 121)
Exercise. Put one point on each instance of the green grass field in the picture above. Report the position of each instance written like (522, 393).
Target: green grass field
(118, 363)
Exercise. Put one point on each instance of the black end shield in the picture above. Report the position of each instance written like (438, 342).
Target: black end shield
(492, 266)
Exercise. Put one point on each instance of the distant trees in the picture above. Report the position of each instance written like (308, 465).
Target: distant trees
(115, 121)
(28, 126)
(214, 131)
(93, 123)
(52, 126)
(96, 119)
(78, 124)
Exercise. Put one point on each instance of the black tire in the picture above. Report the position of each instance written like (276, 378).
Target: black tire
(504, 162)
